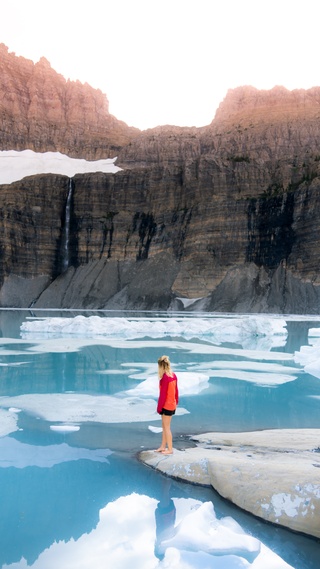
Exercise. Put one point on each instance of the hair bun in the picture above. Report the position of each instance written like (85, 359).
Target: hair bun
(164, 360)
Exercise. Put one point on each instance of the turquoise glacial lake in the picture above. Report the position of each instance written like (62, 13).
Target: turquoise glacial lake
(78, 396)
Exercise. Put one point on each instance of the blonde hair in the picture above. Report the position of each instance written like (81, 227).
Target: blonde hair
(164, 363)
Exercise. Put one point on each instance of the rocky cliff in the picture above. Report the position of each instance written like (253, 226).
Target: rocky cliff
(221, 218)
(42, 111)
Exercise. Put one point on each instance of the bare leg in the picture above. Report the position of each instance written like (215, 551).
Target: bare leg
(163, 442)
(167, 436)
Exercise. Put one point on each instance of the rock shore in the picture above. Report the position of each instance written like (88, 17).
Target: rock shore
(273, 474)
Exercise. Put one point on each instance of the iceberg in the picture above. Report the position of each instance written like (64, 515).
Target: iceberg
(214, 329)
(130, 534)
(309, 358)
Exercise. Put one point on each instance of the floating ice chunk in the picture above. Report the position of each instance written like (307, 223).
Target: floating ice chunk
(47, 343)
(313, 368)
(155, 429)
(14, 410)
(251, 354)
(245, 365)
(201, 531)
(60, 408)
(64, 428)
(190, 383)
(273, 375)
(176, 559)
(265, 379)
(8, 422)
(200, 540)
(306, 354)
(10, 364)
(314, 332)
(114, 371)
(216, 330)
(141, 370)
(15, 165)
(309, 357)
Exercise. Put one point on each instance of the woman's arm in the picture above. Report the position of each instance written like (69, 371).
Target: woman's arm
(177, 391)
(163, 392)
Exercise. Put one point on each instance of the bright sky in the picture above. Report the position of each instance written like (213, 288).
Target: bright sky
(169, 61)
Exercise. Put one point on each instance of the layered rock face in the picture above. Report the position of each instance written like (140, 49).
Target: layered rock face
(220, 218)
(250, 195)
(42, 111)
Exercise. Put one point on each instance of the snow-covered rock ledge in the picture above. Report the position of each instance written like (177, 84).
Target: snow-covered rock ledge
(15, 165)
(273, 474)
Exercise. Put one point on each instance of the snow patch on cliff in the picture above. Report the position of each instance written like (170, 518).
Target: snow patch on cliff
(16, 165)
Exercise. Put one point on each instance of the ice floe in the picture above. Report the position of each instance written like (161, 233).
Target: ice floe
(133, 532)
(259, 373)
(155, 429)
(245, 365)
(20, 455)
(314, 332)
(37, 344)
(81, 408)
(11, 364)
(242, 330)
(134, 405)
(309, 358)
(202, 531)
(264, 379)
(64, 428)
(8, 422)
(15, 165)
(189, 384)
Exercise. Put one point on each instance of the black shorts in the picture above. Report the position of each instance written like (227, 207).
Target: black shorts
(167, 412)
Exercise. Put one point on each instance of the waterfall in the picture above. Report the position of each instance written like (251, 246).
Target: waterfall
(65, 253)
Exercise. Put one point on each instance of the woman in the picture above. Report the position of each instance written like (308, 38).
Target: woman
(167, 402)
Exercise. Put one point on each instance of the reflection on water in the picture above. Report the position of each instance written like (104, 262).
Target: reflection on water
(165, 516)
(75, 411)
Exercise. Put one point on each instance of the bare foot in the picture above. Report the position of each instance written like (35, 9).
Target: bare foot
(167, 452)
(160, 449)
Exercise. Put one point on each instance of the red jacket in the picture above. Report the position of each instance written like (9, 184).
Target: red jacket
(169, 394)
